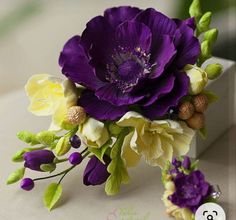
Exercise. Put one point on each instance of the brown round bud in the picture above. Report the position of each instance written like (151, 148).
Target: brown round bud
(200, 103)
(186, 110)
(76, 115)
(197, 121)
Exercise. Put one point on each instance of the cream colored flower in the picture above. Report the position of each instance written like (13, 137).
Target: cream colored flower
(156, 140)
(198, 79)
(51, 96)
(173, 210)
(93, 133)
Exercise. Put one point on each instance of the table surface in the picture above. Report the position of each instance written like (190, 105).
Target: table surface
(141, 199)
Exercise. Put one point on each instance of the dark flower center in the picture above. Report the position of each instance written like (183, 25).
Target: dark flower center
(127, 67)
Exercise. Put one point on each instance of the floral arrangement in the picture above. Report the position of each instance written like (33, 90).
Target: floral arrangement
(135, 88)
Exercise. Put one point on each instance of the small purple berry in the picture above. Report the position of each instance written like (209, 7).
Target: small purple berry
(75, 158)
(186, 163)
(75, 141)
(27, 184)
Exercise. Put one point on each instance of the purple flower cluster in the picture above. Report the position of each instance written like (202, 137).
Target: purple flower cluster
(191, 189)
(131, 58)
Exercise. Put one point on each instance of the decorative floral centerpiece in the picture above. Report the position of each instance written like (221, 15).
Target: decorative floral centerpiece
(134, 87)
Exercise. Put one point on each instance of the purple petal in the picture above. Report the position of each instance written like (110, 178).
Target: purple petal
(160, 88)
(118, 15)
(115, 96)
(90, 166)
(160, 107)
(133, 35)
(186, 162)
(188, 47)
(100, 109)
(163, 55)
(194, 202)
(158, 23)
(205, 189)
(75, 64)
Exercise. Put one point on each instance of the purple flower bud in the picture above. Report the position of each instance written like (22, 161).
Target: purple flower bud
(176, 163)
(186, 163)
(96, 172)
(75, 141)
(34, 159)
(75, 158)
(27, 184)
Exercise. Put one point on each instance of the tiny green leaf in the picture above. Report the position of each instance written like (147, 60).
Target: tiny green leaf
(48, 167)
(211, 96)
(195, 9)
(117, 168)
(214, 70)
(18, 156)
(204, 23)
(114, 129)
(203, 132)
(51, 195)
(16, 176)
(63, 146)
(211, 35)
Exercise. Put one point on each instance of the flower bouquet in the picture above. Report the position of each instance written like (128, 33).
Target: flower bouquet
(135, 88)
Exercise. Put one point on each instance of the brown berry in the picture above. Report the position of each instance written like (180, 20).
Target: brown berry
(197, 121)
(186, 110)
(76, 115)
(200, 103)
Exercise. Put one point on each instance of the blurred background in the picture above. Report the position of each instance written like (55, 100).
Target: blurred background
(32, 32)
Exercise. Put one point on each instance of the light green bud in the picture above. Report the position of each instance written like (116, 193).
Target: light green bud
(18, 156)
(63, 146)
(205, 52)
(198, 79)
(195, 9)
(214, 70)
(211, 35)
(204, 23)
(26, 136)
(48, 167)
(46, 137)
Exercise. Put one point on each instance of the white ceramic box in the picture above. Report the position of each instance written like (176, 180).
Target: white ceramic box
(220, 115)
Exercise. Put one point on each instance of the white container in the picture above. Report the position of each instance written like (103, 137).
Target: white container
(220, 115)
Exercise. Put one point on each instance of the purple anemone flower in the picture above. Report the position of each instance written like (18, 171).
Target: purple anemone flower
(130, 57)
(34, 159)
(96, 172)
(191, 190)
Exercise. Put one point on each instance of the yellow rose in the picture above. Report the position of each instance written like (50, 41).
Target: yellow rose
(51, 96)
(93, 133)
(156, 140)
(198, 79)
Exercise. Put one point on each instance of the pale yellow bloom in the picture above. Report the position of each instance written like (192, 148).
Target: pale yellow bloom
(93, 133)
(198, 79)
(51, 96)
(173, 210)
(156, 140)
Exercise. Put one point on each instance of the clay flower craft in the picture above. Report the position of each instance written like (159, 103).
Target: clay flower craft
(134, 88)
(185, 189)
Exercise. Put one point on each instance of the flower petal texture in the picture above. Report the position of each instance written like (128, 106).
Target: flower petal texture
(131, 57)
(158, 141)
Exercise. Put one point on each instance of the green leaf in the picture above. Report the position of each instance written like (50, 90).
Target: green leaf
(194, 165)
(16, 176)
(63, 146)
(211, 96)
(203, 132)
(165, 172)
(195, 9)
(204, 23)
(48, 167)
(51, 195)
(117, 168)
(100, 152)
(114, 129)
